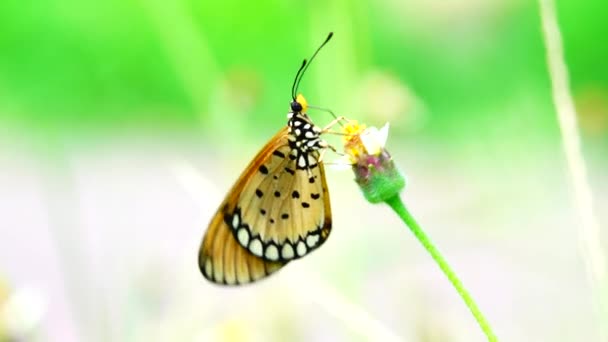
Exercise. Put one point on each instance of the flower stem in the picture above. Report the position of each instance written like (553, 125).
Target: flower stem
(396, 203)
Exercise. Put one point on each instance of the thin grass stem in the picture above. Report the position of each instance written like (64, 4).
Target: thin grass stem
(589, 229)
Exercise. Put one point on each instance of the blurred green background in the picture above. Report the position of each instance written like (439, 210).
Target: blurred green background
(71, 66)
(122, 123)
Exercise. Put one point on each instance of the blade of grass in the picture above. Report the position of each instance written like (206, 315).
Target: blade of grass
(589, 229)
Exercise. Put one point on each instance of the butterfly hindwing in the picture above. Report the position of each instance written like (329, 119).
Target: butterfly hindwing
(285, 209)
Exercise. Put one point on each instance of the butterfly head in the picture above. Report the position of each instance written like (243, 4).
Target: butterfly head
(299, 105)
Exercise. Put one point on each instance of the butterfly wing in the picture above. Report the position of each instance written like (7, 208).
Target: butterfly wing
(276, 212)
(221, 259)
(283, 212)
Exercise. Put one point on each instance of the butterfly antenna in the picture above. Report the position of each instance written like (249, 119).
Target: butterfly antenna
(300, 74)
(295, 81)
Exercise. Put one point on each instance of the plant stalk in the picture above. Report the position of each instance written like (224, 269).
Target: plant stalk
(397, 205)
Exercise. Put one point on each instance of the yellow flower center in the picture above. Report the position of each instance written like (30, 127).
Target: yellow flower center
(352, 140)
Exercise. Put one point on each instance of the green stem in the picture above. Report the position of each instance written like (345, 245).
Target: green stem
(396, 203)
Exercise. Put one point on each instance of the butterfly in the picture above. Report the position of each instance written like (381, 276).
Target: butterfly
(278, 210)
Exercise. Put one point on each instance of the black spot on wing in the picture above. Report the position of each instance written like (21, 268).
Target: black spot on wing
(263, 169)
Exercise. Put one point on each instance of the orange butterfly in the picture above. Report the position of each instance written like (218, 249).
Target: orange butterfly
(278, 210)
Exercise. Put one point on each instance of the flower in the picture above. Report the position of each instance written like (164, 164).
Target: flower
(374, 169)
(380, 181)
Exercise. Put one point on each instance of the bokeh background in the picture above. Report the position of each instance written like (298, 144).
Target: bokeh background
(124, 122)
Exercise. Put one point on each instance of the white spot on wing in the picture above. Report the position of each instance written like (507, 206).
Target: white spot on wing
(312, 240)
(312, 160)
(235, 221)
(301, 161)
(309, 134)
(287, 251)
(297, 123)
(307, 126)
(243, 236)
(256, 247)
(272, 252)
(301, 249)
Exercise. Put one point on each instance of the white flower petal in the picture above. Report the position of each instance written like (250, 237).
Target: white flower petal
(370, 141)
(383, 134)
(374, 140)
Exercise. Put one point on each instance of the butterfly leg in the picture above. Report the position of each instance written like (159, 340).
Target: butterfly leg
(327, 128)
(326, 146)
(335, 121)
(322, 154)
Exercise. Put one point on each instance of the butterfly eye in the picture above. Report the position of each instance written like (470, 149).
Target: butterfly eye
(296, 107)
